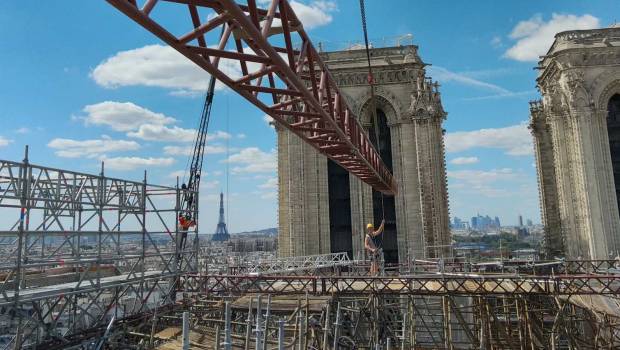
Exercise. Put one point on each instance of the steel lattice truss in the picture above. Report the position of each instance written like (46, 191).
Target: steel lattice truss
(290, 265)
(419, 285)
(291, 84)
(84, 248)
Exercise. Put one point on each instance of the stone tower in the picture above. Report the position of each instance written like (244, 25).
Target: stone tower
(576, 129)
(322, 209)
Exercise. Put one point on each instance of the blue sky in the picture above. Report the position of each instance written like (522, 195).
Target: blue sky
(81, 83)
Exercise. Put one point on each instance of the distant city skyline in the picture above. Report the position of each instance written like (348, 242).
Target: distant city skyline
(504, 221)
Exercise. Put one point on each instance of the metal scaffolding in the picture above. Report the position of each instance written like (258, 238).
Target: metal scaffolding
(425, 310)
(92, 260)
(83, 249)
(310, 264)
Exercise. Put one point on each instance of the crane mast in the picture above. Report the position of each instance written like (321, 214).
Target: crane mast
(195, 169)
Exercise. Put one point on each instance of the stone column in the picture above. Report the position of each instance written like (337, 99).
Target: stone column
(433, 189)
(410, 224)
(284, 223)
(597, 228)
(606, 181)
(545, 166)
(561, 138)
(303, 198)
(361, 213)
(440, 185)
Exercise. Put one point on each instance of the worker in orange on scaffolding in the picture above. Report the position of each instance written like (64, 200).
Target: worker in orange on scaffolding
(185, 222)
(371, 247)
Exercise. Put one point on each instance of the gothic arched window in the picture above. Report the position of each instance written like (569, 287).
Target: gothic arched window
(613, 131)
(386, 205)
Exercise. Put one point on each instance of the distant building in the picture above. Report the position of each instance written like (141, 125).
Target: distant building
(529, 223)
(485, 223)
(459, 224)
(520, 221)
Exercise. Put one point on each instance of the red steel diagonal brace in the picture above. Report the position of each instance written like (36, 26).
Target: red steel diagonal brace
(293, 86)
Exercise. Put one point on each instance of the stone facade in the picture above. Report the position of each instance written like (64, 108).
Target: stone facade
(409, 103)
(577, 142)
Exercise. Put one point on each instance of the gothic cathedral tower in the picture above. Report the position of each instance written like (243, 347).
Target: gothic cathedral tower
(576, 129)
(323, 209)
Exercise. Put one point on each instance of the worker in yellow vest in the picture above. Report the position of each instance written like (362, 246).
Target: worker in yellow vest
(371, 246)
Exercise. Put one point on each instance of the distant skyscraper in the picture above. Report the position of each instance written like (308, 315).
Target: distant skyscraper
(497, 222)
(221, 232)
(529, 222)
(520, 221)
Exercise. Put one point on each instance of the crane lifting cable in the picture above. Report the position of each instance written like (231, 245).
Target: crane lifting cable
(373, 106)
(371, 82)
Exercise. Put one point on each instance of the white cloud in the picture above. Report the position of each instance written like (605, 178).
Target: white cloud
(535, 36)
(151, 65)
(241, 136)
(515, 140)
(160, 66)
(271, 183)
(496, 42)
(68, 148)
(179, 173)
(269, 195)
(131, 163)
(502, 95)
(123, 116)
(464, 160)
(480, 181)
(209, 184)
(314, 14)
(444, 75)
(268, 119)
(253, 160)
(482, 176)
(151, 132)
(23, 130)
(219, 135)
(188, 150)
(4, 141)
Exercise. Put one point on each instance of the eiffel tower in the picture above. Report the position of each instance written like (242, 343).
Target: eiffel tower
(221, 232)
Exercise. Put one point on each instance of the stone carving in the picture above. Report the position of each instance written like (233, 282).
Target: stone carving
(576, 96)
(425, 101)
(553, 99)
(384, 76)
(384, 98)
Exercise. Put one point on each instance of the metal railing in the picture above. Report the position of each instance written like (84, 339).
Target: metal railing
(290, 265)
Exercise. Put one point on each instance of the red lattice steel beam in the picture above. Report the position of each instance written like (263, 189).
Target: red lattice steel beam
(292, 85)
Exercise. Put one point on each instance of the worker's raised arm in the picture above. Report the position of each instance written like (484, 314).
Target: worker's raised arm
(380, 229)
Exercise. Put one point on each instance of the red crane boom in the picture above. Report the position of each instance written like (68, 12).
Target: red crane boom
(304, 96)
